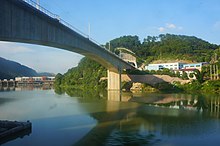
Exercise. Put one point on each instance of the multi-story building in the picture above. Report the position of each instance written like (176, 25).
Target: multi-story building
(160, 66)
(195, 65)
(178, 67)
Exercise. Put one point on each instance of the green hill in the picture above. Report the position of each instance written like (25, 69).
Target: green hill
(167, 47)
(163, 47)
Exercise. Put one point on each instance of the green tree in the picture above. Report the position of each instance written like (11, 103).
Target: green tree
(86, 75)
(185, 76)
(199, 76)
(58, 79)
(191, 75)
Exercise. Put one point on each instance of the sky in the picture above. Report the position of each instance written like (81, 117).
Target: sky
(110, 19)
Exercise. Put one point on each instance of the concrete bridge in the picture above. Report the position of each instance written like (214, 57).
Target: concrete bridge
(25, 21)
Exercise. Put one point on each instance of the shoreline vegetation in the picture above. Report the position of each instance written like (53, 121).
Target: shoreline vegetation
(89, 75)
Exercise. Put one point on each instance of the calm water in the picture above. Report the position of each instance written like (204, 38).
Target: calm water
(150, 119)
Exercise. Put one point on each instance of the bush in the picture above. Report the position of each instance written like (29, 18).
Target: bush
(211, 87)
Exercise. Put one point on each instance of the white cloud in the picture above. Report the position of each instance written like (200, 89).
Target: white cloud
(13, 48)
(161, 29)
(169, 27)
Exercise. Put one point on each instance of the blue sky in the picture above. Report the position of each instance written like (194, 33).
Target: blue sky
(110, 19)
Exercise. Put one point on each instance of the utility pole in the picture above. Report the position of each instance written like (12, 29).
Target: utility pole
(89, 30)
(109, 46)
(214, 73)
(38, 4)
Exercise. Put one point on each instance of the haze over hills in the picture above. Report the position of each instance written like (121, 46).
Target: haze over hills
(10, 69)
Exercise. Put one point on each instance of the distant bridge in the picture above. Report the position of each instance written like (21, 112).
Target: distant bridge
(27, 22)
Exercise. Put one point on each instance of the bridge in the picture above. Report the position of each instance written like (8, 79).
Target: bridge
(27, 22)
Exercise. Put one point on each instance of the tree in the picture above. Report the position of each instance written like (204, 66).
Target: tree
(58, 79)
(199, 76)
(86, 75)
(185, 76)
(191, 75)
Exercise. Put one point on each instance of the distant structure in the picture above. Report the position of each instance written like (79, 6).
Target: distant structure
(160, 66)
(214, 69)
(197, 66)
(34, 80)
(128, 56)
(178, 67)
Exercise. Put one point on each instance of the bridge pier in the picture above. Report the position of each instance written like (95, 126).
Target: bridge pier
(114, 80)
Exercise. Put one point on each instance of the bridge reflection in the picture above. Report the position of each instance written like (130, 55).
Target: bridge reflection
(135, 124)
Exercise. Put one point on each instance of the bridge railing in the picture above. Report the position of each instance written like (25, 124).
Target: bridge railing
(45, 11)
(55, 16)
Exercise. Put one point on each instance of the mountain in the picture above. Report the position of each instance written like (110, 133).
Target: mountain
(10, 69)
(46, 74)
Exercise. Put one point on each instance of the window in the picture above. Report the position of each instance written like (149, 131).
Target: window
(197, 65)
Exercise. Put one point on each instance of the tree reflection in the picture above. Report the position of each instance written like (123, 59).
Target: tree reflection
(58, 90)
(201, 103)
(87, 95)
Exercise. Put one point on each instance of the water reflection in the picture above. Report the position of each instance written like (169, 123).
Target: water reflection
(119, 118)
(21, 135)
(26, 88)
(202, 103)
(170, 115)
(142, 124)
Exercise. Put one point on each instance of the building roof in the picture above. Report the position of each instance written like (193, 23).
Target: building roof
(189, 69)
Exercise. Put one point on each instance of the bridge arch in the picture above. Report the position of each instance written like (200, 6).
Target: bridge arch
(21, 22)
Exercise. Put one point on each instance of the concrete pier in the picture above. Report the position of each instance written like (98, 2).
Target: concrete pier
(114, 80)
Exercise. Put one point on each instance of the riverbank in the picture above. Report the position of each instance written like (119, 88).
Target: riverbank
(208, 87)
(10, 130)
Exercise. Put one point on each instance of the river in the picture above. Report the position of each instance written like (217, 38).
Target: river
(95, 119)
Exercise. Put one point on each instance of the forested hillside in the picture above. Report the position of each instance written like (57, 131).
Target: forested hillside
(10, 69)
(167, 46)
(86, 75)
(163, 47)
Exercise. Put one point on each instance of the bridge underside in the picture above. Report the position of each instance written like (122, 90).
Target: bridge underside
(21, 22)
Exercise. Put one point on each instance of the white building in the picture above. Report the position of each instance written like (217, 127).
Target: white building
(194, 65)
(160, 66)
